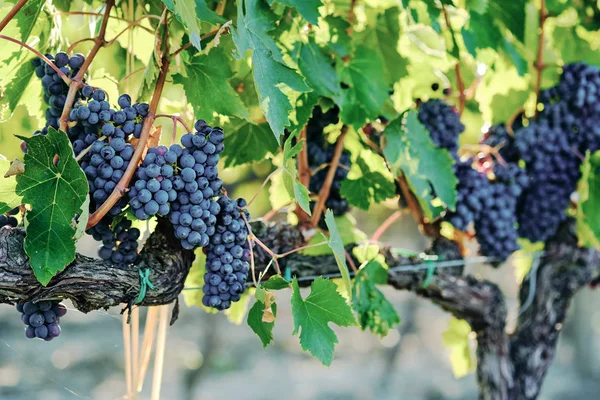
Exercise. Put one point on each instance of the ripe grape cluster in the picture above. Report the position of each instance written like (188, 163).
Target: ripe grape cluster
(470, 192)
(119, 242)
(443, 123)
(320, 153)
(55, 89)
(42, 319)
(227, 256)
(8, 219)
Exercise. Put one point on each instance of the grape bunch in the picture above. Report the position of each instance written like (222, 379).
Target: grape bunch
(42, 318)
(55, 89)
(153, 192)
(498, 138)
(104, 166)
(471, 190)
(443, 123)
(119, 242)
(320, 153)
(227, 256)
(8, 219)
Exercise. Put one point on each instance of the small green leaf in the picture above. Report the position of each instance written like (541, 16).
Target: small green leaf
(11, 94)
(371, 188)
(206, 14)
(276, 282)
(375, 312)
(150, 76)
(410, 150)
(9, 199)
(56, 188)
(590, 195)
(246, 142)
(456, 338)
(482, 33)
(318, 70)
(511, 14)
(206, 74)
(339, 252)
(309, 9)
(27, 18)
(478, 6)
(185, 11)
(264, 330)
(313, 315)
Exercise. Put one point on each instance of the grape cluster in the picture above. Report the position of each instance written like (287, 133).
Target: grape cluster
(153, 192)
(470, 192)
(55, 89)
(119, 242)
(8, 219)
(443, 123)
(227, 256)
(498, 138)
(197, 184)
(42, 319)
(104, 166)
(320, 153)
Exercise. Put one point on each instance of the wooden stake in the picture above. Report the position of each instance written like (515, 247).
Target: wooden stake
(160, 352)
(135, 349)
(127, 351)
(146, 351)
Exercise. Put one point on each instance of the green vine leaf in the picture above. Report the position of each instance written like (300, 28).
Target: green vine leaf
(12, 92)
(27, 17)
(410, 150)
(313, 315)
(276, 282)
(255, 19)
(318, 70)
(247, 142)
(339, 252)
(264, 330)
(56, 188)
(370, 188)
(511, 14)
(309, 9)
(9, 199)
(206, 74)
(375, 312)
(185, 11)
(588, 216)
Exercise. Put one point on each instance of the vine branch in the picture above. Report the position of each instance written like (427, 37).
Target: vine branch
(539, 62)
(11, 14)
(459, 79)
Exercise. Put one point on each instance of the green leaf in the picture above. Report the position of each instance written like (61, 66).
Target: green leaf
(255, 19)
(150, 77)
(276, 282)
(409, 150)
(366, 93)
(185, 11)
(340, 42)
(481, 34)
(456, 338)
(295, 189)
(388, 34)
(511, 14)
(590, 195)
(246, 142)
(375, 312)
(207, 88)
(503, 105)
(27, 18)
(9, 199)
(309, 9)
(56, 188)
(339, 252)
(206, 14)
(478, 6)
(264, 330)
(318, 70)
(371, 188)
(313, 315)
(11, 94)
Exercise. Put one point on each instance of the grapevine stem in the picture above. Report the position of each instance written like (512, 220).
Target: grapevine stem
(385, 226)
(261, 244)
(267, 179)
(512, 119)
(351, 262)
(324, 192)
(11, 14)
(40, 55)
(459, 80)
(74, 44)
(304, 174)
(131, 25)
(539, 62)
(131, 74)
(308, 246)
(77, 81)
(87, 150)
(123, 184)
(176, 118)
(189, 44)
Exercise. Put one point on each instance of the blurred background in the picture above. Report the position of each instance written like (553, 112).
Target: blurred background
(208, 357)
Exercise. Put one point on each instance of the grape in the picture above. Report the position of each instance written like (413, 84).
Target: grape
(44, 324)
(443, 123)
(8, 221)
(119, 243)
(227, 264)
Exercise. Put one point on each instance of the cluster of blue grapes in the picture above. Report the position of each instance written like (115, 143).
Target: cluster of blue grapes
(42, 319)
(470, 192)
(552, 145)
(8, 219)
(227, 256)
(320, 153)
(55, 89)
(119, 242)
(443, 123)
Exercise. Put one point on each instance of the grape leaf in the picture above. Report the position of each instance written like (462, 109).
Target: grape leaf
(370, 188)
(366, 92)
(481, 34)
(295, 189)
(247, 142)
(478, 6)
(511, 14)
(27, 17)
(589, 191)
(206, 14)
(309, 9)
(388, 34)
(318, 70)
(276, 282)
(428, 168)
(340, 41)
(11, 93)
(56, 188)
(263, 329)
(375, 312)
(9, 199)
(185, 11)
(255, 19)
(456, 338)
(313, 315)
(207, 88)
(339, 252)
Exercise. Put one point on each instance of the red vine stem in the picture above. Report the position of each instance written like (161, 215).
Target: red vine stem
(131, 25)
(189, 44)
(176, 118)
(385, 226)
(539, 62)
(303, 175)
(459, 80)
(40, 55)
(123, 184)
(11, 14)
(267, 179)
(77, 81)
(324, 192)
(131, 74)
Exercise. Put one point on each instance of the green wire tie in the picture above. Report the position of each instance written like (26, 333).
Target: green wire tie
(144, 284)
(430, 261)
(287, 274)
